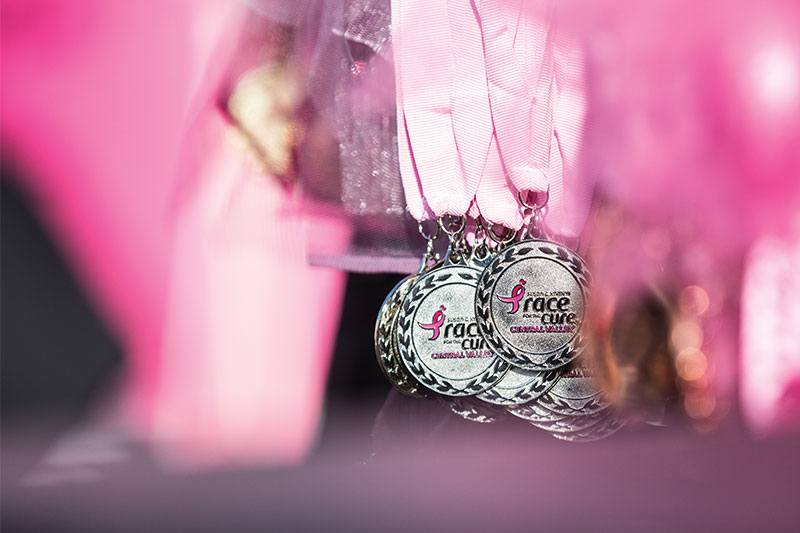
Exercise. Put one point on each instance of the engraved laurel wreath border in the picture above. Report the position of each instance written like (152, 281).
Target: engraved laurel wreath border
(525, 394)
(574, 423)
(421, 288)
(483, 301)
(561, 406)
(388, 360)
(546, 411)
(532, 411)
(470, 408)
(598, 431)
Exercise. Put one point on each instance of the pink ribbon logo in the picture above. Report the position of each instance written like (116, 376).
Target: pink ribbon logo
(516, 295)
(436, 323)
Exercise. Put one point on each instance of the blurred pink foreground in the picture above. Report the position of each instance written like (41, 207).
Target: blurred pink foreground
(198, 263)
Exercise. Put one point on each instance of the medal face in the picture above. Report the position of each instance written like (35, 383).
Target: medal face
(438, 339)
(385, 341)
(530, 304)
(520, 386)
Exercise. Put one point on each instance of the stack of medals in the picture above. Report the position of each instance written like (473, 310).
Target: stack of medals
(496, 329)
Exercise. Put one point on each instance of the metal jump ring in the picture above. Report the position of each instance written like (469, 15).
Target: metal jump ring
(480, 231)
(535, 207)
(450, 232)
(509, 236)
(427, 236)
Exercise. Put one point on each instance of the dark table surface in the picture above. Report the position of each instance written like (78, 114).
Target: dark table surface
(415, 472)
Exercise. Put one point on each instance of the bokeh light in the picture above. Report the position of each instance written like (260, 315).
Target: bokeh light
(686, 334)
(691, 364)
(699, 404)
(693, 300)
(775, 71)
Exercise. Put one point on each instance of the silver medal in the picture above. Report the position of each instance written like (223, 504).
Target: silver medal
(520, 386)
(601, 430)
(471, 409)
(386, 324)
(530, 304)
(533, 412)
(577, 392)
(386, 345)
(572, 424)
(437, 337)
(574, 427)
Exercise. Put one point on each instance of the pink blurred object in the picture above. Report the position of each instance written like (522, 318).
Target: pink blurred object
(103, 104)
(95, 98)
(770, 333)
(695, 114)
(694, 132)
(249, 325)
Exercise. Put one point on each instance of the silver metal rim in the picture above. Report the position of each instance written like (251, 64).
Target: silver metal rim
(426, 283)
(597, 432)
(573, 424)
(385, 348)
(539, 384)
(570, 407)
(486, 322)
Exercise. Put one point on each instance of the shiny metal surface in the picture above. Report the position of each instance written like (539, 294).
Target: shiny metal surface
(534, 412)
(520, 386)
(530, 304)
(572, 424)
(472, 409)
(577, 392)
(599, 431)
(386, 344)
(437, 337)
